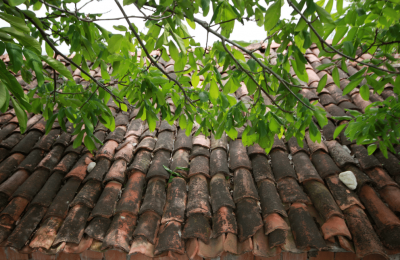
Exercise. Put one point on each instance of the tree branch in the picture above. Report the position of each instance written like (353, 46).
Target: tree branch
(149, 56)
(330, 46)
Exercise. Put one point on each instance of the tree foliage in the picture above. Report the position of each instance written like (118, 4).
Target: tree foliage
(371, 27)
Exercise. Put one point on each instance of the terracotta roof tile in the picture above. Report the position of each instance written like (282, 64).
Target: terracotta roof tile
(199, 165)
(198, 150)
(391, 195)
(245, 187)
(25, 144)
(391, 164)
(220, 195)
(141, 162)
(132, 194)
(248, 218)
(197, 226)
(322, 200)
(219, 143)
(295, 148)
(161, 159)
(387, 223)
(344, 197)
(174, 209)
(66, 163)
(97, 228)
(198, 196)
(108, 150)
(46, 234)
(116, 172)
(214, 249)
(155, 197)
(9, 165)
(49, 190)
(270, 200)
(165, 141)
(101, 168)
(32, 185)
(180, 159)
(224, 221)
(366, 241)
(291, 192)
(59, 206)
(148, 226)
(79, 169)
(119, 234)
(9, 186)
(73, 226)
(182, 141)
(238, 151)
(219, 162)
(169, 239)
(305, 170)
(104, 229)
(21, 234)
(380, 177)
(302, 223)
(324, 164)
(281, 165)
(107, 202)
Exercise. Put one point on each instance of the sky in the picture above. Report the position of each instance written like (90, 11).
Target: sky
(247, 32)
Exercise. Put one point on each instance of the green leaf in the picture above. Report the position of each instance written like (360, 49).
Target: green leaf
(78, 139)
(338, 130)
(35, 63)
(50, 122)
(88, 141)
(191, 23)
(216, 12)
(203, 96)
(24, 39)
(335, 76)
(15, 53)
(179, 41)
(182, 122)
(205, 5)
(339, 6)
(3, 95)
(364, 92)
(21, 115)
(324, 16)
(120, 28)
(324, 66)
(16, 2)
(328, 6)
(214, 91)
(173, 51)
(322, 83)
(371, 148)
(272, 15)
(259, 17)
(315, 134)
(242, 43)
(16, 22)
(348, 48)
(58, 66)
(320, 115)
(351, 86)
(340, 33)
(49, 50)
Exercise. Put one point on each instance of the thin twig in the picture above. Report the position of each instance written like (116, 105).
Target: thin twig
(148, 54)
(323, 43)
